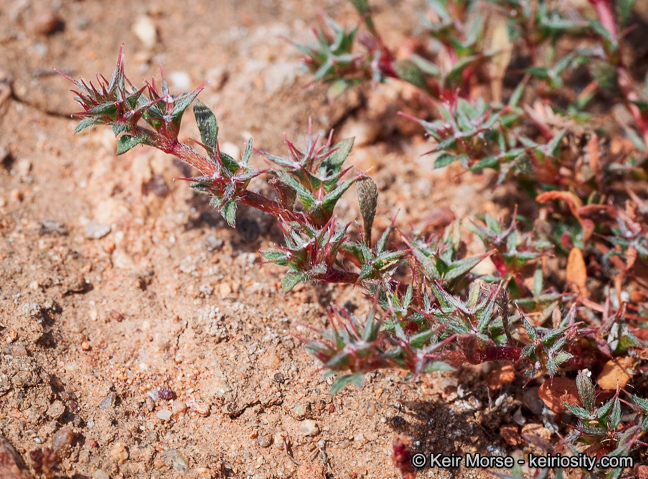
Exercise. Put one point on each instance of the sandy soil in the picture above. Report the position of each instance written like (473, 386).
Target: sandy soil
(135, 324)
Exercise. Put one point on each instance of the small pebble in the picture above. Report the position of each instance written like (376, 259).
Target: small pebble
(46, 22)
(144, 30)
(177, 460)
(56, 409)
(53, 227)
(309, 428)
(532, 401)
(108, 402)
(164, 414)
(119, 453)
(199, 407)
(85, 346)
(62, 440)
(154, 394)
(17, 195)
(100, 474)
(165, 392)
(116, 315)
(212, 243)
(179, 407)
(264, 441)
(96, 230)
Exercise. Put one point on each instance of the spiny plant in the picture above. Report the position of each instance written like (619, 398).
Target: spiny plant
(587, 198)
(430, 311)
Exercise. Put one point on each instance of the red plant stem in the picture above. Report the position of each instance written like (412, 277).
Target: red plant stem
(606, 16)
(334, 275)
(265, 204)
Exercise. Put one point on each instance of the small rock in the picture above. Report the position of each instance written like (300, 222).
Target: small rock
(23, 167)
(301, 410)
(309, 428)
(5, 154)
(225, 289)
(178, 462)
(164, 414)
(85, 346)
(119, 453)
(96, 230)
(17, 195)
(108, 402)
(532, 401)
(53, 227)
(264, 441)
(154, 394)
(144, 30)
(212, 243)
(180, 80)
(61, 442)
(56, 409)
(166, 393)
(179, 407)
(46, 22)
(199, 407)
(100, 474)
(15, 350)
(510, 435)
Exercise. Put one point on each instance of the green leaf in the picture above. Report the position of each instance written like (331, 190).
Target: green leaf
(86, 123)
(127, 142)
(444, 159)
(332, 164)
(228, 211)
(343, 381)
(410, 72)
(180, 104)
(207, 124)
(461, 267)
(305, 196)
(430, 269)
(642, 403)
(615, 417)
(624, 7)
(292, 279)
(248, 152)
(276, 256)
(577, 411)
(418, 340)
(330, 200)
(368, 200)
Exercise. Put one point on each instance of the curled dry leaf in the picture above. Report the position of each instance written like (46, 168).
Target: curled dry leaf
(554, 392)
(571, 199)
(577, 271)
(616, 372)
